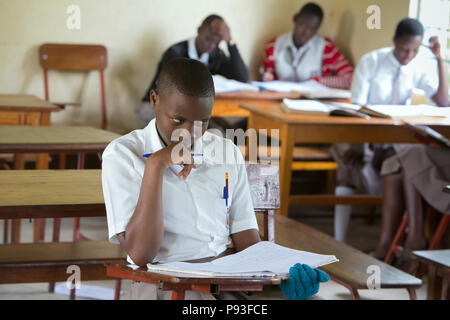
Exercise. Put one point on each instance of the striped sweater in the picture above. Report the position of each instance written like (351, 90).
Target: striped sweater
(336, 71)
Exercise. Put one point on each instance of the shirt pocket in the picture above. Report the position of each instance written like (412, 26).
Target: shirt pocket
(221, 214)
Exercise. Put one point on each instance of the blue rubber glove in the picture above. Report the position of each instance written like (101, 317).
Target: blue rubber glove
(303, 282)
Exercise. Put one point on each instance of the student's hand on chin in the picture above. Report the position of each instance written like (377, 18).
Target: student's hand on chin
(180, 154)
(435, 47)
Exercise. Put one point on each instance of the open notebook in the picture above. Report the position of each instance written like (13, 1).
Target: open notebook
(314, 107)
(263, 259)
(309, 89)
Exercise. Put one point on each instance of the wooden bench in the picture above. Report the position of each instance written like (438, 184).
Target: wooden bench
(48, 262)
(351, 270)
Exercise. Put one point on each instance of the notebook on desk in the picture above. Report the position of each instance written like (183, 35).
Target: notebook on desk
(314, 107)
(263, 259)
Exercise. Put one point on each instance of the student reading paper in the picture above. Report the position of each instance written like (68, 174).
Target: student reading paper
(386, 76)
(302, 55)
(204, 48)
(166, 207)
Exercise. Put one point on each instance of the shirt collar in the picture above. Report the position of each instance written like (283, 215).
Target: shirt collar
(153, 142)
(193, 54)
(291, 45)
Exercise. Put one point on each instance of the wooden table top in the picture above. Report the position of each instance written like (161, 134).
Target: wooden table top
(53, 138)
(352, 265)
(273, 110)
(50, 187)
(440, 258)
(24, 102)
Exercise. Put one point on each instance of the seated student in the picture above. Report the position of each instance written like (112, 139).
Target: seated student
(168, 208)
(302, 55)
(204, 48)
(386, 76)
(413, 176)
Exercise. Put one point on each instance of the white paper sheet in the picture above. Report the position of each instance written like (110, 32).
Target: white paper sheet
(222, 84)
(262, 259)
(307, 105)
(286, 86)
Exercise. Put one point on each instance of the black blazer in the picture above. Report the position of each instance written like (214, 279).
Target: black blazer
(231, 67)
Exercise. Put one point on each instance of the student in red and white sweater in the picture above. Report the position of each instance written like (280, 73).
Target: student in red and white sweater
(302, 55)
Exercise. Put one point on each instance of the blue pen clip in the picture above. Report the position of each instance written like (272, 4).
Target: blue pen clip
(225, 196)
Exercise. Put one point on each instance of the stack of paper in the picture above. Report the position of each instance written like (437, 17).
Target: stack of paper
(222, 84)
(263, 259)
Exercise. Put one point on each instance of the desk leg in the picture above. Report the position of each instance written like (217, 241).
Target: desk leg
(18, 164)
(39, 224)
(178, 294)
(287, 147)
(434, 290)
(77, 236)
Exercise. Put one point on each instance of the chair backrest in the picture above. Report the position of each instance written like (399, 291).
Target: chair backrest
(75, 57)
(264, 183)
(72, 57)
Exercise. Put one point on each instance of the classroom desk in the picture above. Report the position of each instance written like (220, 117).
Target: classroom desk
(438, 262)
(52, 139)
(26, 110)
(295, 128)
(179, 284)
(38, 194)
(228, 104)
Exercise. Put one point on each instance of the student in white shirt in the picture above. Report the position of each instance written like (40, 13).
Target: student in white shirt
(386, 76)
(168, 208)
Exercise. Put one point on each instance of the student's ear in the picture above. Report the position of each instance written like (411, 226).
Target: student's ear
(154, 99)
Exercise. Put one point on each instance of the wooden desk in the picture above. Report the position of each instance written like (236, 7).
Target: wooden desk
(57, 139)
(228, 104)
(180, 284)
(295, 128)
(51, 194)
(26, 110)
(438, 269)
(351, 270)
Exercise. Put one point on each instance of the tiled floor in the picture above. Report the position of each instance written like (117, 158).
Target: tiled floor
(361, 236)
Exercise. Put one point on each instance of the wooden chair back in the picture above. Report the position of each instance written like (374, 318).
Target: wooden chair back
(264, 183)
(74, 57)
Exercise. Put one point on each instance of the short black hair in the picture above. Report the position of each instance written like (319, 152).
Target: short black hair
(187, 76)
(310, 9)
(209, 19)
(409, 27)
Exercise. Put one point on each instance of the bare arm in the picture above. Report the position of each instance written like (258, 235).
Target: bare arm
(244, 239)
(144, 233)
(441, 96)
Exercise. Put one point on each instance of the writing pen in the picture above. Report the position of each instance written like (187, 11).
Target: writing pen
(146, 155)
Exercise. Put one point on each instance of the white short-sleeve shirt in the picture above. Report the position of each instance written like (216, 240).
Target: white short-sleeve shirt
(375, 73)
(197, 223)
